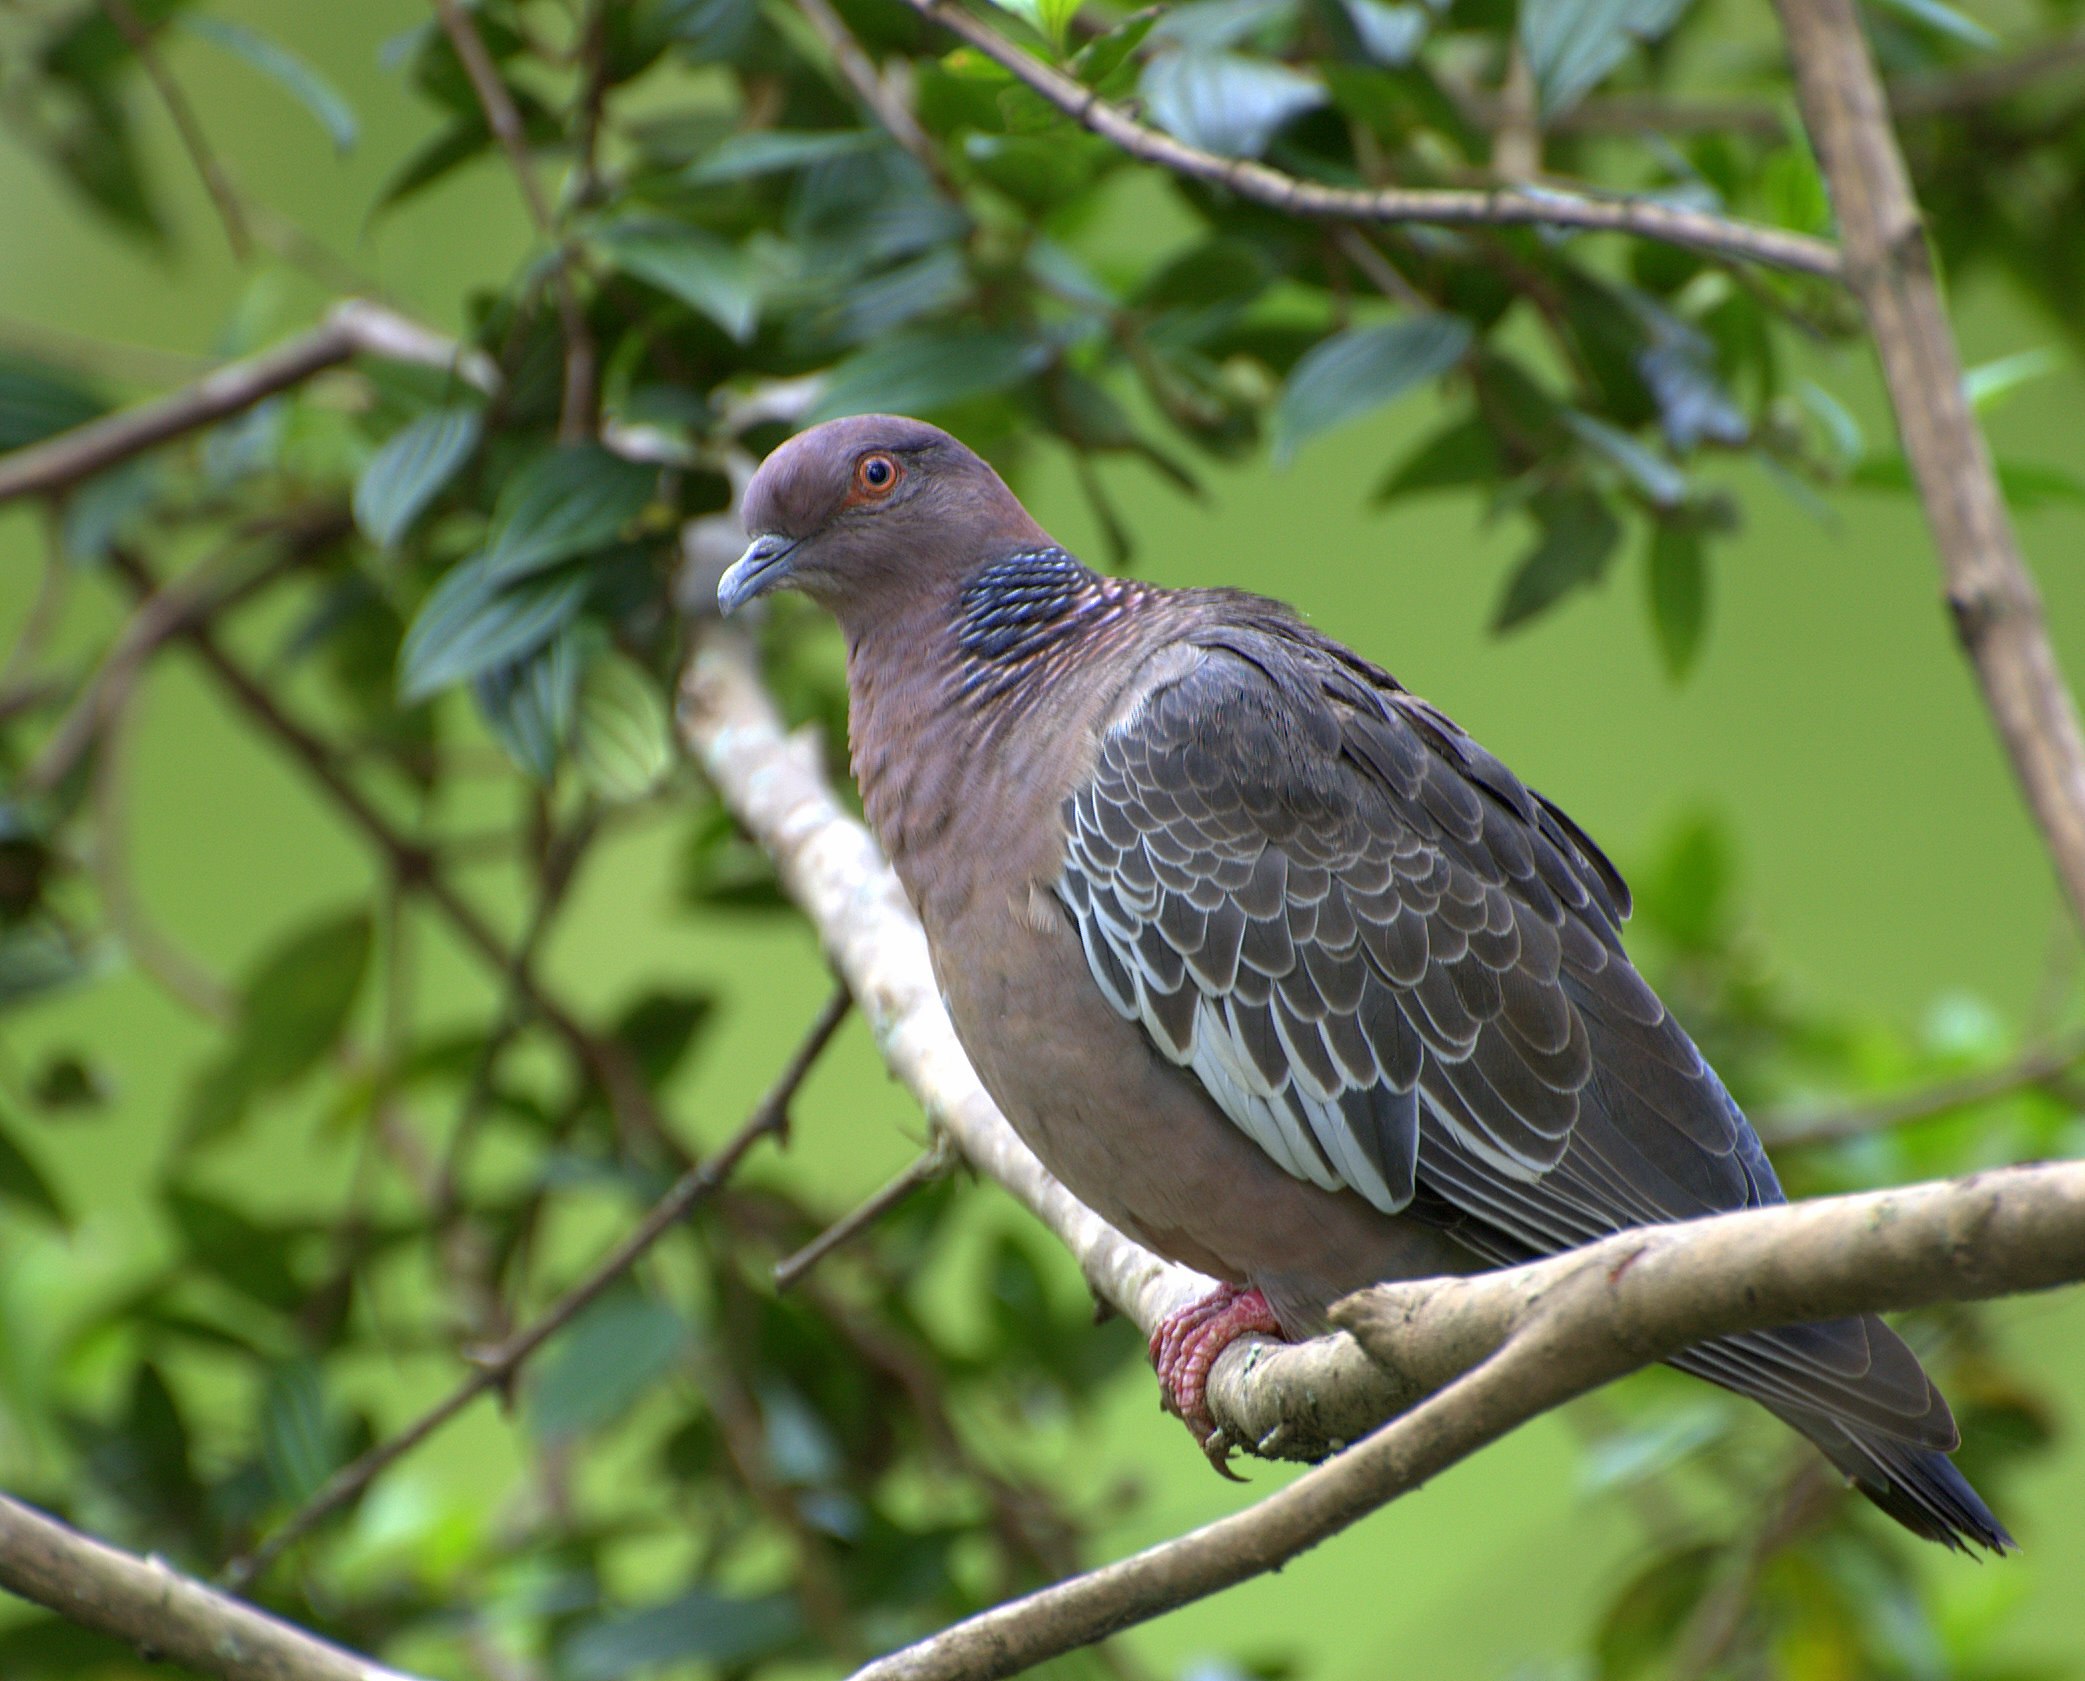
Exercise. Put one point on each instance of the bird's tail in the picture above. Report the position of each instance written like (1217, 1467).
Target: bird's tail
(1854, 1388)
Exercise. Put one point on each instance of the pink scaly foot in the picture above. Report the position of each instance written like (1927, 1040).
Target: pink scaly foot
(1186, 1345)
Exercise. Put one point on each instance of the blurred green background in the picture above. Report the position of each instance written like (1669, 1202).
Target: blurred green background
(1888, 869)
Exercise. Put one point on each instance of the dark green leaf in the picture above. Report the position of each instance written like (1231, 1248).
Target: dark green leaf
(1944, 20)
(35, 959)
(22, 1182)
(294, 1006)
(300, 1441)
(1225, 102)
(602, 1362)
(662, 1027)
(769, 151)
(299, 79)
(1361, 369)
(1572, 44)
(569, 502)
(1679, 593)
(1662, 484)
(622, 741)
(711, 277)
(529, 705)
(252, 1258)
(1461, 454)
(38, 402)
(411, 469)
(701, 1626)
(922, 370)
(1641, 1624)
(470, 624)
(1579, 535)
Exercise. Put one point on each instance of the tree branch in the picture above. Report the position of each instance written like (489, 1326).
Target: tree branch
(353, 328)
(1526, 1340)
(497, 1366)
(1645, 218)
(1997, 608)
(159, 1611)
(576, 417)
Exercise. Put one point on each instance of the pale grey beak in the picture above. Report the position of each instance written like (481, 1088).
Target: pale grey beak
(764, 566)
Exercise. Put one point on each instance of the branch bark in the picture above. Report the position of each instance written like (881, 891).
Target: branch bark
(1997, 608)
(159, 1611)
(1551, 207)
(1526, 1340)
(354, 328)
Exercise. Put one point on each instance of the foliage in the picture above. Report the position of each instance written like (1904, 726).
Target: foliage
(470, 558)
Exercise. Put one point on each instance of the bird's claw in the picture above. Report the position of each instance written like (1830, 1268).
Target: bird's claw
(1185, 1347)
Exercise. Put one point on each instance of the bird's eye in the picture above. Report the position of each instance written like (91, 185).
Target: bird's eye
(876, 476)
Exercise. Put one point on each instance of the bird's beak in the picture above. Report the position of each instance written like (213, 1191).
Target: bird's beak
(764, 566)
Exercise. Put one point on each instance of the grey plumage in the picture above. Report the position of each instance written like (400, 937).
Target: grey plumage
(1337, 926)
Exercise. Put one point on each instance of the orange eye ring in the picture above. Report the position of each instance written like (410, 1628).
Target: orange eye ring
(876, 475)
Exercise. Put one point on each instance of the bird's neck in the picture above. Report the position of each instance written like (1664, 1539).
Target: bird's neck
(958, 691)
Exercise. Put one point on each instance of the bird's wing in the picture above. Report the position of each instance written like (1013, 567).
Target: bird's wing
(1400, 971)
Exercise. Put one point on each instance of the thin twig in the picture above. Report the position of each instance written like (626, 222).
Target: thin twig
(353, 328)
(933, 1164)
(2034, 1067)
(1996, 605)
(1645, 218)
(604, 1058)
(885, 99)
(1527, 1339)
(161, 1613)
(576, 413)
(193, 141)
(496, 1367)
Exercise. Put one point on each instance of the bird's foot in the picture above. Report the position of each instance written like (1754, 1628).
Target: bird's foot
(1186, 1345)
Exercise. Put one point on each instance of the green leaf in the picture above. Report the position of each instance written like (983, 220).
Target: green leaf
(23, 1183)
(1679, 593)
(528, 706)
(603, 1362)
(239, 1251)
(1647, 1615)
(701, 1626)
(1361, 369)
(2028, 485)
(622, 741)
(300, 1441)
(1944, 20)
(770, 151)
(35, 959)
(1048, 18)
(38, 402)
(304, 84)
(929, 368)
(1662, 483)
(410, 470)
(1573, 44)
(471, 623)
(1579, 536)
(1991, 384)
(1391, 35)
(1461, 454)
(294, 1006)
(1225, 102)
(569, 502)
(712, 277)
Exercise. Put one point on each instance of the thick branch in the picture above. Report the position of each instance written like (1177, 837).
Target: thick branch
(161, 1612)
(354, 328)
(1997, 608)
(1645, 218)
(1531, 1338)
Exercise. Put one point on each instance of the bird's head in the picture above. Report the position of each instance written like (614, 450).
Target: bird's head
(856, 509)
